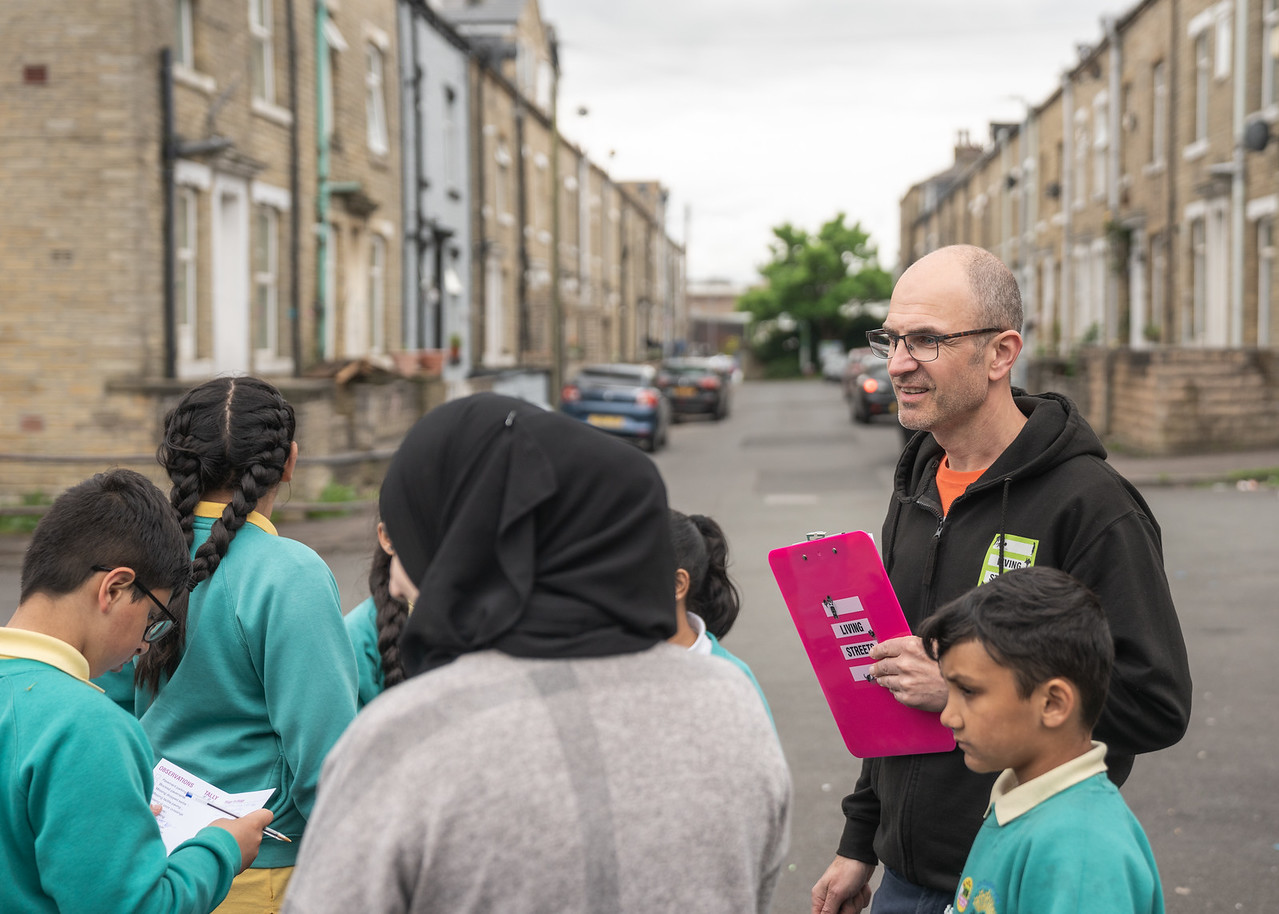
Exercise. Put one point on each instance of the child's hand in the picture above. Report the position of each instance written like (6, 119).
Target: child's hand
(912, 676)
(247, 831)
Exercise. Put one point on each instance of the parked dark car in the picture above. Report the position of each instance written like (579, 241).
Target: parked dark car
(621, 399)
(854, 365)
(872, 393)
(695, 386)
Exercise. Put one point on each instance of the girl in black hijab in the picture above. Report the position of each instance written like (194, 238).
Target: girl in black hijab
(559, 755)
(529, 532)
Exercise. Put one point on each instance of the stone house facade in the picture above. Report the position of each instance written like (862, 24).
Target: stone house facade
(361, 200)
(1136, 206)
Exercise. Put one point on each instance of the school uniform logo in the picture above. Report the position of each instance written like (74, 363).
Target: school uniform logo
(979, 900)
(1019, 552)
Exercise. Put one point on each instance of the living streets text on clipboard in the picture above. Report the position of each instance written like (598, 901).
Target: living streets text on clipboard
(842, 604)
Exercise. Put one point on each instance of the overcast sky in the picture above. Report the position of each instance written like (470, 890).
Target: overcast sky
(758, 112)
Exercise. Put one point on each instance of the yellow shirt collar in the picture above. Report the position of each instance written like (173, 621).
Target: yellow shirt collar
(214, 509)
(1010, 799)
(20, 644)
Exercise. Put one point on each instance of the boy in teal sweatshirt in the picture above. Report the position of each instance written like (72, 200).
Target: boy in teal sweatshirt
(1027, 659)
(76, 829)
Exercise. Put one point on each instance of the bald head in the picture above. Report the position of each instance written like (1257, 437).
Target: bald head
(993, 286)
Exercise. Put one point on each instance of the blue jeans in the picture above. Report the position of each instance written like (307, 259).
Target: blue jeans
(896, 895)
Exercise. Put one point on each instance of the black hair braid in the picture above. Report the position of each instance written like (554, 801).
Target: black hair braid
(178, 454)
(392, 613)
(258, 478)
(717, 600)
(203, 450)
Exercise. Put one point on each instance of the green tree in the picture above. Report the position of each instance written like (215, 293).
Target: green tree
(811, 278)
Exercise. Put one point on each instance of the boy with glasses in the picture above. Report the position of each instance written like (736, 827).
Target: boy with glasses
(1000, 480)
(76, 829)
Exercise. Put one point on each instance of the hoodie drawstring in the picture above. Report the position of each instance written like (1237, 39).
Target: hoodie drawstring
(1003, 517)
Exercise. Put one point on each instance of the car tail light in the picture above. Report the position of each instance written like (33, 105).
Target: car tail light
(709, 383)
(870, 385)
(647, 398)
(570, 394)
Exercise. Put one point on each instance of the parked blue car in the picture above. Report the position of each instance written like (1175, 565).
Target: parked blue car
(620, 399)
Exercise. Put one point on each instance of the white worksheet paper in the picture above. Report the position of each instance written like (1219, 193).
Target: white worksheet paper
(183, 797)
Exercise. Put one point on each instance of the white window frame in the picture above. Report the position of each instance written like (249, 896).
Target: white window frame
(376, 274)
(450, 139)
(266, 279)
(1265, 278)
(335, 44)
(184, 38)
(1192, 330)
(501, 186)
(329, 306)
(261, 33)
(375, 98)
(1202, 85)
(1222, 49)
(185, 263)
(1269, 60)
(1158, 113)
(1080, 165)
(1158, 268)
(1100, 144)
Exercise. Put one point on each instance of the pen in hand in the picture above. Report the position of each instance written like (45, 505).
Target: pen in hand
(269, 832)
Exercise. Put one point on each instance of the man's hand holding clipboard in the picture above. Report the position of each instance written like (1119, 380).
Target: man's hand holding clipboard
(861, 648)
(908, 673)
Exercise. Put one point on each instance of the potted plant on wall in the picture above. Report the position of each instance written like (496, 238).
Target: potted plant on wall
(455, 349)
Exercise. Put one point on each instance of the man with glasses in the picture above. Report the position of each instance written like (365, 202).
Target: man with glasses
(993, 479)
(76, 829)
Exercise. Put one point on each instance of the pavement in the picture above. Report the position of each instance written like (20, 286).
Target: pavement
(1195, 469)
(1185, 470)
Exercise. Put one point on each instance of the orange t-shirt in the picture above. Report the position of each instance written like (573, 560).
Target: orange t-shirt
(952, 483)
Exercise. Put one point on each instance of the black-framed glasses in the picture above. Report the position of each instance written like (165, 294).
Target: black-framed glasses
(156, 628)
(923, 347)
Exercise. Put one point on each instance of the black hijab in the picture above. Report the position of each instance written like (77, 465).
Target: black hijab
(528, 532)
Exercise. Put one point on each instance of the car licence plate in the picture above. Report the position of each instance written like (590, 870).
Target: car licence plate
(686, 391)
(600, 421)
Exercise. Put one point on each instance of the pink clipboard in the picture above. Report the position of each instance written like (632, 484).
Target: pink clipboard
(842, 603)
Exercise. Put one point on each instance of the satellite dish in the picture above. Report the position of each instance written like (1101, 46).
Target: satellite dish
(1256, 135)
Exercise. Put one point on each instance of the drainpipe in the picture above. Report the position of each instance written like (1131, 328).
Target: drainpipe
(1005, 196)
(522, 220)
(168, 154)
(295, 207)
(1067, 205)
(322, 128)
(416, 299)
(478, 162)
(1110, 320)
(557, 304)
(1167, 308)
(1237, 189)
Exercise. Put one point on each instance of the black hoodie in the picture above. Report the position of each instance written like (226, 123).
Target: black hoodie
(1060, 505)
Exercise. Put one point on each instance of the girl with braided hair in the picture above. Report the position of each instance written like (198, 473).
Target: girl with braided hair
(376, 624)
(706, 599)
(265, 682)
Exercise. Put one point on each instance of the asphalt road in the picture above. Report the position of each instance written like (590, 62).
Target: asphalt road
(788, 461)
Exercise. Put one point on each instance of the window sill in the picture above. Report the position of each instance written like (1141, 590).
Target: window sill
(1196, 150)
(272, 112)
(184, 75)
(1153, 168)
